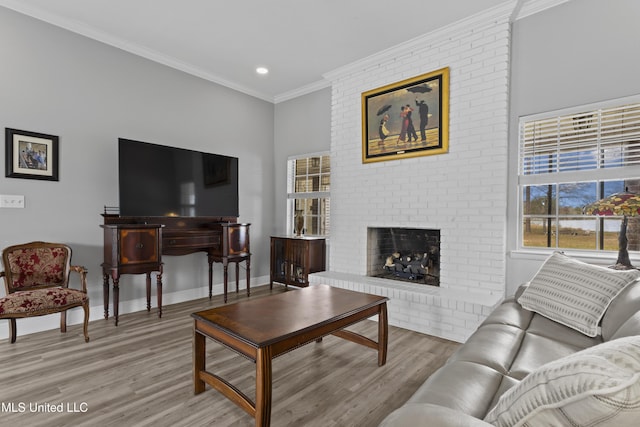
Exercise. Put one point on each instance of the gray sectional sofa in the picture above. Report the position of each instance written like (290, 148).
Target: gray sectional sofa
(521, 367)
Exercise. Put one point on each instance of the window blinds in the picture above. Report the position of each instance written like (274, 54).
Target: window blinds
(604, 138)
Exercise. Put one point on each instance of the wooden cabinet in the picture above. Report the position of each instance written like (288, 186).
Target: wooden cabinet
(131, 249)
(294, 258)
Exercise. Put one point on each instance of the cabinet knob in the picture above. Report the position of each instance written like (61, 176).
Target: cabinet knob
(139, 246)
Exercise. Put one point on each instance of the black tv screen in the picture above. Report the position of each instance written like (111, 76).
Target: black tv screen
(157, 180)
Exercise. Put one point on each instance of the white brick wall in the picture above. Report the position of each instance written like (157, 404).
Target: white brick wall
(462, 193)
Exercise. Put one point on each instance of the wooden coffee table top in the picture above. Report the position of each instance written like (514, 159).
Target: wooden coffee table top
(264, 321)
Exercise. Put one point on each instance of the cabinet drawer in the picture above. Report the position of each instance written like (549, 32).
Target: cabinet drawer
(139, 246)
(191, 241)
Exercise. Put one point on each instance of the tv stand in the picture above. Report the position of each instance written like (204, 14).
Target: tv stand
(221, 238)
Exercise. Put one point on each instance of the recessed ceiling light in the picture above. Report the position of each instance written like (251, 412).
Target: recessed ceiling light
(262, 70)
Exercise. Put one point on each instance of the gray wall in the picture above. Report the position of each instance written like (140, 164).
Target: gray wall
(577, 53)
(89, 94)
(302, 126)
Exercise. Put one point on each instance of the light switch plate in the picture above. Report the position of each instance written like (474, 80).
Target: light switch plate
(11, 201)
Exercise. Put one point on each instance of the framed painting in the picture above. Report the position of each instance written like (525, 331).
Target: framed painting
(31, 155)
(406, 119)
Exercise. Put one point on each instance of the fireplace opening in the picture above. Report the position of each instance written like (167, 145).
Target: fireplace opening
(404, 254)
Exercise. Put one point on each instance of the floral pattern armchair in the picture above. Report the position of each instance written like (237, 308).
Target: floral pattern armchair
(36, 277)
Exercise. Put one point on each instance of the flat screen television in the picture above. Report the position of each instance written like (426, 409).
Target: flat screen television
(157, 180)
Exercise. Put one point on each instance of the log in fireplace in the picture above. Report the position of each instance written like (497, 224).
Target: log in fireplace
(405, 254)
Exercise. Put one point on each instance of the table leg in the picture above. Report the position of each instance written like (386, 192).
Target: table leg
(116, 297)
(383, 334)
(248, 263)
(148, 291)
(105, 291)
(237, 276)
(263, 387)
(225, 267)
(159, 292)
(199, 353)
(210, 260)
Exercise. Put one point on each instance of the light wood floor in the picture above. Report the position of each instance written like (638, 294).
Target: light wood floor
(139, 374)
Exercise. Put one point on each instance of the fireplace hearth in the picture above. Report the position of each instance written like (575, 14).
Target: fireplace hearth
(404, 254)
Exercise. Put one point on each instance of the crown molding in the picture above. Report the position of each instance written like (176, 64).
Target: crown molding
(303, 90)
(500, 12)
(152, 55)
(505, 11)
(520, 8)
(531, 7)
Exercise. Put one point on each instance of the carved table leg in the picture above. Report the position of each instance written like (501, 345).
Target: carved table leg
(116, 297)
(210, 259)
(105, 287)
(237, 276)
(248, 261)
(148, 291)
(159, 291)
(225, 265)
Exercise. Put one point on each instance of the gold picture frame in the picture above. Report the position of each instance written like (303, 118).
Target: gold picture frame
(391, 130)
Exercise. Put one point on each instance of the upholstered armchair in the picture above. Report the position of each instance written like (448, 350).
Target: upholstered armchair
(36, 277)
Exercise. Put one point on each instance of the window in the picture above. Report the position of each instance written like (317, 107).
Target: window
(308, 188)
(572, 158)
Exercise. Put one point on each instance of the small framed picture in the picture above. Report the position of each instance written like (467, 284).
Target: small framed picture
(31, 155)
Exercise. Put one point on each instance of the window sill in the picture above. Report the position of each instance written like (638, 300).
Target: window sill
(605, 259)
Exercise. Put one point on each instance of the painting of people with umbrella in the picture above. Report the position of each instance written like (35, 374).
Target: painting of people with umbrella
(406, 119)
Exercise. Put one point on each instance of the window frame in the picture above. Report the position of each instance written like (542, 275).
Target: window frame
(293, 196)
(599, 175)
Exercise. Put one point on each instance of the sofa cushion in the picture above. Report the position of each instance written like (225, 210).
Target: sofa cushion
(494, 346)
(625, 305)
(509, 312)
(598, 385)
(574, 293)
(37, 301)
(547, 328)
(414, 414)
(536, 351)
(463, 386)
(629, 328)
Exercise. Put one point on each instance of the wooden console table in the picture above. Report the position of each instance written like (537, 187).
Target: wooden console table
(221, 238)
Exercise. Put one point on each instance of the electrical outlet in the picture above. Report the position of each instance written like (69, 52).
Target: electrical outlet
(9, 201)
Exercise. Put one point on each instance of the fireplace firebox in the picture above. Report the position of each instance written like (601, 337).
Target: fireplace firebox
(404, 254)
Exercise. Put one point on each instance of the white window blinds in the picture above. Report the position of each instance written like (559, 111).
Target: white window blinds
(598, 139)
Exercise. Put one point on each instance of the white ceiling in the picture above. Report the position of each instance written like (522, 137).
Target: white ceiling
(224, 42)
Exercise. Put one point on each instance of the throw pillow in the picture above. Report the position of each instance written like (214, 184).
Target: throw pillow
(596, 386)
(574, 293)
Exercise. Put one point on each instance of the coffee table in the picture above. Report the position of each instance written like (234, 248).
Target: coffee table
(267, 327)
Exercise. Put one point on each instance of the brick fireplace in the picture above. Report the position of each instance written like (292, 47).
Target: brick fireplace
(462, 193)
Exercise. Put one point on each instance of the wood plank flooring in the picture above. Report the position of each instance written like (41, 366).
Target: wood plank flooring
(140, 374)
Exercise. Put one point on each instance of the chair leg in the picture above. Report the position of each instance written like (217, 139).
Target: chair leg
(63, 321)
(85, 327)
(12, 330)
